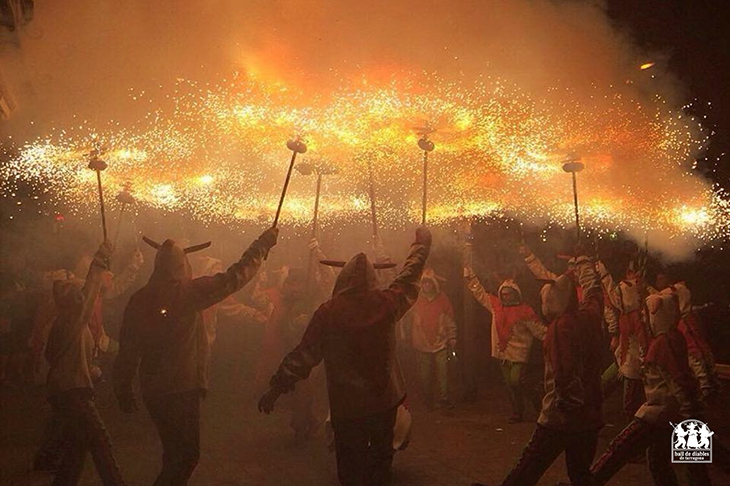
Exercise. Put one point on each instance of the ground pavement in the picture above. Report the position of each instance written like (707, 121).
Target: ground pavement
(242, 447)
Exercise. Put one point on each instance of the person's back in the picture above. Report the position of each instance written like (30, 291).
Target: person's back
(354, 333)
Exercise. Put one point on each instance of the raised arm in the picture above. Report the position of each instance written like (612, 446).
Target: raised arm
(535, 265)
(121, 283)
(298, 364)
(472, 282)
(403, 292)
(92, 285)
(207, 291)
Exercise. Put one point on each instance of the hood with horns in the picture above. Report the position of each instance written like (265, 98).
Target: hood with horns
(357, 275)
(171, 261)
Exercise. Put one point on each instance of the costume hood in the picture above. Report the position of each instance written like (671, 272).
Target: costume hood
(630, 298)
(430, 275)
(556, 296)
(663, 312)
(510, 284)
(684, 297)
(357, 275)
(171, 261)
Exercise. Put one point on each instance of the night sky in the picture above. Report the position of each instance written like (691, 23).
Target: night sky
(695, 37)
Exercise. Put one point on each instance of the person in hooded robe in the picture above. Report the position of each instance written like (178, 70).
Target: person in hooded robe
(433, 336)
(354, 334)
(571, 414)
(672, 394)
(164, 337)
(112, 286)
(700, 355)
(515, 326)
(629, 339)
(70, 351)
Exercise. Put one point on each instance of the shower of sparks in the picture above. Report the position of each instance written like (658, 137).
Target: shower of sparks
(219, 154)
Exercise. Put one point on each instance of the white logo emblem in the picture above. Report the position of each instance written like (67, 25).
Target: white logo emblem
(691, 442)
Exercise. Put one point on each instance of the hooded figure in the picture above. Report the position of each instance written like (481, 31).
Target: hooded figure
(69, 352)
(164, 336)
(571, 410)
(701, 357)
(672, 394)
(629, 339)
(354, 333)
(514, 328)
(433, 335)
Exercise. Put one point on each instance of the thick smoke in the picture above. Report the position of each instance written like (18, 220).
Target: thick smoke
(89, 59)
(83, 57)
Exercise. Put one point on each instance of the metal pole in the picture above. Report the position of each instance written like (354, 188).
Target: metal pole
(575, 203)
(101, 200)
(119, 224)
(286, 185)
(316, 206)
(373, 214)
(425, 187)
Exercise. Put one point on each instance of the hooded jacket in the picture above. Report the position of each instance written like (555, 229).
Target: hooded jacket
(671, 389)
(573, 399)
(70, 348)
(354, 333)
(631, 329)
(513, 327)
(433, 326)
(163, 332)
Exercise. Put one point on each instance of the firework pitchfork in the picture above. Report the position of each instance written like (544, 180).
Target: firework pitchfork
(98, 165)
(427, 146)
(320, 169)
(572, 164)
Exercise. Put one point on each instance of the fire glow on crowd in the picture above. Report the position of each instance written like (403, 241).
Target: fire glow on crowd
(218, 152)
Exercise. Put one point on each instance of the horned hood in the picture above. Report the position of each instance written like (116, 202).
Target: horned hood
(358, 275)
(171, 261)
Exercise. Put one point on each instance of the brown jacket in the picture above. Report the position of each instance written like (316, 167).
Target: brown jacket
(163, 332)
(354, 333)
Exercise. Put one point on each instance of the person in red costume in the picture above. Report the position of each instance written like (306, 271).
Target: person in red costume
(672, 394)
(571, 414)
(433, 336)
(629, 339)
(164, 337)
(515, 326)
(354, 333)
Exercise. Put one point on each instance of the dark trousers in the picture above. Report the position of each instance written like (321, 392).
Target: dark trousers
(633, 396)
(364, 449)
(635, 438)
(177, 419)
(83, 431)
(545, 446)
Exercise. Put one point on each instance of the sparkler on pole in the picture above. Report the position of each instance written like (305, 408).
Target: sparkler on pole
(320, 169)
(125, 198)
(97, 164)
(371, 193)
(297, 146)
(573, 164)
(427, 146)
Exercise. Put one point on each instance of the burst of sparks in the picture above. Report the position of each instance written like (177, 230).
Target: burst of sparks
(219, 154)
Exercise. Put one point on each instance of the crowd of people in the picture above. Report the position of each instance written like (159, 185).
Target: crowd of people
(358, 318)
